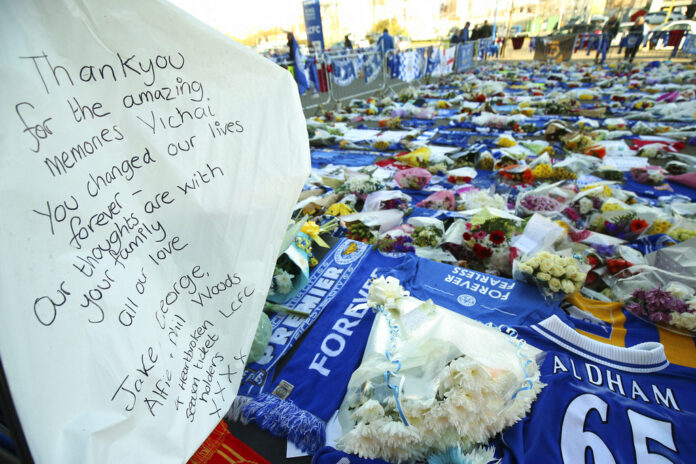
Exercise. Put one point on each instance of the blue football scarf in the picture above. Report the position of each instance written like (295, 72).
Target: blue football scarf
(328, 455)
(309, 389)
(325, 281)
(652, 243)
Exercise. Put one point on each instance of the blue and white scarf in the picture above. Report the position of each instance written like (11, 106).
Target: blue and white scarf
(308, 390)
(410, 65)
(345, 71)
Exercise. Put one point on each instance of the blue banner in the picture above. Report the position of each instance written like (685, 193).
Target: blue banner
(372, 65)
(345, 70)
(689, 44)
(312, 18)
(465, 56)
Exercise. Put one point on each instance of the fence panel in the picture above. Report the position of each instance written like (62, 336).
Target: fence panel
(465, 56)
(355, 74)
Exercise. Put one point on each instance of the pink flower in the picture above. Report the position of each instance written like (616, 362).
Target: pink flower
(468, 226)
(480, 235)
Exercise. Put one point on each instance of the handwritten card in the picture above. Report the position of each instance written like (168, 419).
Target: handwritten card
(149, 169)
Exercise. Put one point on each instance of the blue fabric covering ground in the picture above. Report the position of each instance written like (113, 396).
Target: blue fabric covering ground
(649, 191)
(321, 157)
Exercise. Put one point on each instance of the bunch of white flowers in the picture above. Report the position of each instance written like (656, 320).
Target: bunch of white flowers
(282, 282)
(557, 273)
(385, 292)
(482, 199)
(472, 405)
(362, 185)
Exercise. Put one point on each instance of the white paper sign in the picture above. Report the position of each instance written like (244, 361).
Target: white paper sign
(149, 167)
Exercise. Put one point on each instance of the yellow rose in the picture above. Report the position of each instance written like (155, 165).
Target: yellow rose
(543, 276)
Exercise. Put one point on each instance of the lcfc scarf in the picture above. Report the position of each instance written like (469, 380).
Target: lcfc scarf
(310, 388)
(326, 280)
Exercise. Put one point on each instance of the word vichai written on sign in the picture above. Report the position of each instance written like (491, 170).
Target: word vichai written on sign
(149, 169)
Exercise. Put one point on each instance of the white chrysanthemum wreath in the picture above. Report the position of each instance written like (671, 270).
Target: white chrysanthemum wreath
(436, 397)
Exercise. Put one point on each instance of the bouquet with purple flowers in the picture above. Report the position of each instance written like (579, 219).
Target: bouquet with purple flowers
(663, 308)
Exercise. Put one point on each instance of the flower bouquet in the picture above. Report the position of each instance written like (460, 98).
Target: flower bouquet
(683, 230)
(620, 224)
(441, 200)
(672, 308)
(413, 178)
(486, 161)
(609, 173)
(427, 236)
(546, 199)
(461, 175)
(655, 176)
(676, 168)
(475, 198)
(388, 199)
(367, 226)
(389, 243)
(484, 243)
(556, 276)
(361, 186)
(466, 158)
(432, 379)
(517, 174)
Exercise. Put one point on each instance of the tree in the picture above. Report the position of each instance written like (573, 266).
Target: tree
(390, 24)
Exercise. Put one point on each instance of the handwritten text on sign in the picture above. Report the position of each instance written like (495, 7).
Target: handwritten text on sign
(140, 231)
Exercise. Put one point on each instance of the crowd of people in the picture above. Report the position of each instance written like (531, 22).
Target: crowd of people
(463, 35)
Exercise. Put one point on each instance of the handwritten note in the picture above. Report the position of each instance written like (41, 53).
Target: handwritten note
(149, 169)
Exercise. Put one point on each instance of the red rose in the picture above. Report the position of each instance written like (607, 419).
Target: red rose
(497, 237)
(466, 236)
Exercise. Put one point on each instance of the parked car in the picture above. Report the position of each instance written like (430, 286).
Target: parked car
(659, 17)
(656, 38)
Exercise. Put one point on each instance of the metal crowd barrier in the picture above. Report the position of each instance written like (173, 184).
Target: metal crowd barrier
(343, 75)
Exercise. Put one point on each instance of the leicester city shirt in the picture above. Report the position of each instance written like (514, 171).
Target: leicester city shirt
(604, 403)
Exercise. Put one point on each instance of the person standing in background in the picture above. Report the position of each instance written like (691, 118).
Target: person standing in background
(634, 39)
(464, 34)
(385, 42)
(455, 38)
(291, 44)
(347, 43)
(475, 34)
(609, 31)
(486, 31)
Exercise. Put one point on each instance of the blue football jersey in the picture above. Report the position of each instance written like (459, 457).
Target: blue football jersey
(473, 294)
(604, 403)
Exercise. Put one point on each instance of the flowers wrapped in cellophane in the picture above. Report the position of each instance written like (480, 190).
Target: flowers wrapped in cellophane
(555, 275)
(432, 379)
(662, 291)
(547, 200)
(413, 178)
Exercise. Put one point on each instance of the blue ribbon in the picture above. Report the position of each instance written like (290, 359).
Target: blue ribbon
(393, 334)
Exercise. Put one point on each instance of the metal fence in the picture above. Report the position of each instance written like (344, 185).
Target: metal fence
(343, 75)
(339, 76)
